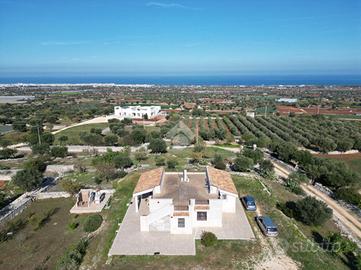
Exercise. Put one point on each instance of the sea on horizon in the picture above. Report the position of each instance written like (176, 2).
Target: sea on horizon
(192, 80)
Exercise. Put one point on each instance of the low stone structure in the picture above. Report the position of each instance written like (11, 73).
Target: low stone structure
(91, 201)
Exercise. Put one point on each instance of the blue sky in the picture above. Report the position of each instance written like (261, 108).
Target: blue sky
(134, 37)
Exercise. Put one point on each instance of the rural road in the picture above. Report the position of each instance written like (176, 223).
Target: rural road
(345, 217)
(76, 149)
(96, 120)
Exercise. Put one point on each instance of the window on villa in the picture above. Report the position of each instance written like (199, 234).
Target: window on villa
(201, 215)
(224, 196)
(181, 222)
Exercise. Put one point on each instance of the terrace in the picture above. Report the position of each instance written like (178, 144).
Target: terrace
(181, 192)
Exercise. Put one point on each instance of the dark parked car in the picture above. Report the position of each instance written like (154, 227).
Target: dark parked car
(249, 203)
(267, 226)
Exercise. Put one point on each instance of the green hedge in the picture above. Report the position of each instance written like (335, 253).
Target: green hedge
(92, 223)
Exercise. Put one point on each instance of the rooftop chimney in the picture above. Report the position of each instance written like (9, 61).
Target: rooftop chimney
(185, 176)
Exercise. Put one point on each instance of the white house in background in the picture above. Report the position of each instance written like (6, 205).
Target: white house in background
(136, 112)
(180, 202)
(251, 114)
(287, 100)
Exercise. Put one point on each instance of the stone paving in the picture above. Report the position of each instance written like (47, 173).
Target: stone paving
(131, 241)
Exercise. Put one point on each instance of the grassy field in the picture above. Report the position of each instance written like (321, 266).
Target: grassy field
(14, 137)
(41, 248)
(73, 133)
(226, 254)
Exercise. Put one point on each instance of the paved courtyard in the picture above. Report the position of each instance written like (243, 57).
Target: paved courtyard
(131, 241)
(235, 226)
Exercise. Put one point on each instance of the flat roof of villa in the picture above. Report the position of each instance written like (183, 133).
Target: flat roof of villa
(181, 192)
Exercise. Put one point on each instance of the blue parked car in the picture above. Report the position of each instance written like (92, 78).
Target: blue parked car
(267, 226)
(249, 203)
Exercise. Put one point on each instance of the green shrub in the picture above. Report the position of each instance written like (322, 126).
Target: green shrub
(266, 168)
(218, 162)
(198, 147)
(158, 146)
(255, 155)
(160, 161)
(73, 225)
(308, 210)
(73, 256)
(28, 179)
(208, 239)
(172, 163)
(293, 183)
(92, 223)
(242, 164)
(349, 195)
(121, 174)
(294, 187)
(59, 151)
(7, 153)
(337, 244)
(141, 154)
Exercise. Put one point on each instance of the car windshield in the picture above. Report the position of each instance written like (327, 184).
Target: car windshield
(272, 229)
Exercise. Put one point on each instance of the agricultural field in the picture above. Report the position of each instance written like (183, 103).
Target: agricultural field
(352, 160)
(315, 133)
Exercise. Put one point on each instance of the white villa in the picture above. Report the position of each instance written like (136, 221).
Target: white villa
(136, 112)
(179, 202)
(170, 210)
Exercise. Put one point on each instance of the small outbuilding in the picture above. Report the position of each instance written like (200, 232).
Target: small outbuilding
(91, 201)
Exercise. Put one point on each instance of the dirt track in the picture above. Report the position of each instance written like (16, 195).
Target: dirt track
(345, 217)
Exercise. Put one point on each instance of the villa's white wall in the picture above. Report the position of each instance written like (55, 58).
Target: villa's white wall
(213, 190)
(136, 111)
(154, 216)
(214, 214)
(156, 190)
(228, 204)
(174, 225)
